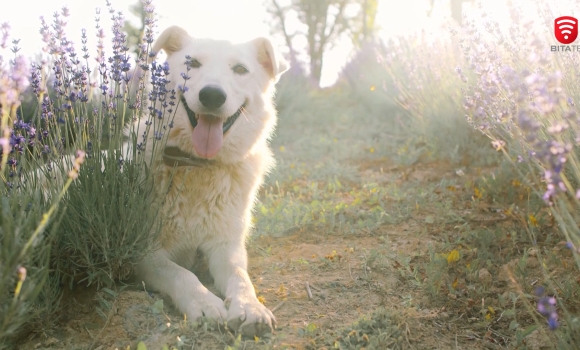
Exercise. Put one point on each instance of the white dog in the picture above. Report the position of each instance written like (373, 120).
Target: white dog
(216, 156)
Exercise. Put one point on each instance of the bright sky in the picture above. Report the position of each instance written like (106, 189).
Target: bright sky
(234, 20)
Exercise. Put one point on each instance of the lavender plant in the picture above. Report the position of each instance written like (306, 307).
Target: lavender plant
(109, 221)
(24, 215)
(368, 79)
(508, 84)
(416, 75)
(107, 218)
(522, 96)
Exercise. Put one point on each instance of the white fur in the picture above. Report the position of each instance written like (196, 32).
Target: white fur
(209, 207)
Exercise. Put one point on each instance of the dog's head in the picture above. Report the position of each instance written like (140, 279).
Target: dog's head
(225, 108)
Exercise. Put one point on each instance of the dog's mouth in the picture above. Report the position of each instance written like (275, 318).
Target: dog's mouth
(193, 117)
(209, 130)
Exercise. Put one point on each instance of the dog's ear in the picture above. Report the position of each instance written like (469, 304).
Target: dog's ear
(171, 40)
(274, 64)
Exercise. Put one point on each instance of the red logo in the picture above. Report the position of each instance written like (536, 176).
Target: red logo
(566, 29)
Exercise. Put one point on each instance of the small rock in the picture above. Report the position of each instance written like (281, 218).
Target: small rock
(506, 296)
(484, 275)
(538, 341)
(493, 302)
(491, 346)
(532, 262)
(50, 341)
(507, 271)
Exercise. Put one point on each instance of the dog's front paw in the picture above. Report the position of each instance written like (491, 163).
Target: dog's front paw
(209, 306)
(249, 316)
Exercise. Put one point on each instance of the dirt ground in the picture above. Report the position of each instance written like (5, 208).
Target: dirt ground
(415, 256)
(319, 283)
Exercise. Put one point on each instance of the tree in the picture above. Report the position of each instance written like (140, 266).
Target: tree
(135, 33)
(280, 13)
(320, 22)
(364, 26)
(456, 7)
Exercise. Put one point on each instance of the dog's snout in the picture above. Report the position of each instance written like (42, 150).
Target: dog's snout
(212, 97)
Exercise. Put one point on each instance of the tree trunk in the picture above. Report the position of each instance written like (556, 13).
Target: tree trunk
(456, 11)
(365, 30)
(316, 67)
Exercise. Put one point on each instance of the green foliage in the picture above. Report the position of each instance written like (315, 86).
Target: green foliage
(369, 80)
(327, 204)
(25, 214)
(427, 88)
(383, 329)
(108, 219)
(292, 93)
(24, 256)
(526, 103)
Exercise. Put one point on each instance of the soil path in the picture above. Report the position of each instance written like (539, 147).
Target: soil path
(394, 256)
(349, 276)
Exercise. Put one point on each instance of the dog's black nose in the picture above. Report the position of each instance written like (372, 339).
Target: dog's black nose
(212, 97)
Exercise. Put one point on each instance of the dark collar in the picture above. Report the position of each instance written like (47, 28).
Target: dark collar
(174, 157)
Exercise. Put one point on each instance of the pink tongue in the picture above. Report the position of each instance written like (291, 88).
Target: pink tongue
(208, 136)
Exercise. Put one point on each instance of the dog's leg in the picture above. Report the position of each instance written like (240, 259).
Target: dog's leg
(160, 273)
(228, 265)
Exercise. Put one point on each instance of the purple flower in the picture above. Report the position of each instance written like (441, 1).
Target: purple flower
(553, 322)
(547, 307)
(4, 32)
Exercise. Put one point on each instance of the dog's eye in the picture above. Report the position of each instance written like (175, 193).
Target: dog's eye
(193, 63)
(239, 69)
